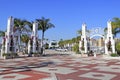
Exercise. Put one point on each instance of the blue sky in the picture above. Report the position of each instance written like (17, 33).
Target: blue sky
(66, 15)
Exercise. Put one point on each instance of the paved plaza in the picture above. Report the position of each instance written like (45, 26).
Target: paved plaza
(60, 66)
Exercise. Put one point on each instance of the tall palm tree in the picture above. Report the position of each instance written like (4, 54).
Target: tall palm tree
(19, 25)
(44, 24)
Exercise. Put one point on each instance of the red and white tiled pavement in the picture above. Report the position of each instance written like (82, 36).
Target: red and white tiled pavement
(60, 67)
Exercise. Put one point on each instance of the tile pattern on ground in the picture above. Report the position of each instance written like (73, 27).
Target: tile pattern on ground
(99, 76)
(64, 67)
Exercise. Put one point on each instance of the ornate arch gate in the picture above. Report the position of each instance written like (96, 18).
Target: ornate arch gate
(96, 44)
(85, 42)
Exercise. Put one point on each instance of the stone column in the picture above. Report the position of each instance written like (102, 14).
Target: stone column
(109, 38)
(9, 33)
(80, 45)
(3, 47)
(29, 47)
(113, 46)
(83, 38)
(35, 29)
(106, 49)
(32, 42)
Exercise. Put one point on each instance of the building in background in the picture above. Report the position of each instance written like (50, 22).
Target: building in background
(53, 44)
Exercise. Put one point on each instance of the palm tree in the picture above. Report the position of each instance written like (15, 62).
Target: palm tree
(78, 38)
(79, 32)
(2, 33)
(19, 25)
(25, 38)
(116, 26)
(44, 24)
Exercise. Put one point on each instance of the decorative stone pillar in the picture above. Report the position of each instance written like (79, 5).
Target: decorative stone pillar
(83, 42)
(35, 29)
(33, 44)
(8, 44)
(109, 42)
(3, 46)
(29, 47)
(106, 49)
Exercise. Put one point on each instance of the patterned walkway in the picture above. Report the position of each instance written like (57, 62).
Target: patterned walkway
(60, 67)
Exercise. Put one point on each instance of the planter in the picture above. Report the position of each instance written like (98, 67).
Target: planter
(114, 55)
(36, 54)
(9, 55)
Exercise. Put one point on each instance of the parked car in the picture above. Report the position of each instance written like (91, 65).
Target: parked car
(61, 49)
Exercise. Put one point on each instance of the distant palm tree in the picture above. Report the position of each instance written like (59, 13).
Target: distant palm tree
(2, 33)
(80, 32)
(44, 24)
(78, 38)
(25, 38)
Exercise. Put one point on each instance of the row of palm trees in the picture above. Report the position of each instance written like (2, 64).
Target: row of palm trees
(72, 41)
(25, 26)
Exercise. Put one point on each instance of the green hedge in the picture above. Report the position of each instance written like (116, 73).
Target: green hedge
(75, 48)
(118, 48)
(114, 55)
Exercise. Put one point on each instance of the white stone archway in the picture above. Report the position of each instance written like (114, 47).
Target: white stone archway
(108, 40)
(97, 35)
(96, 45)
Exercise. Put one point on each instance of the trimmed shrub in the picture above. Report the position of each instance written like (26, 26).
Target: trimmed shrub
(114, 55)
(118, 48)
(75, 48)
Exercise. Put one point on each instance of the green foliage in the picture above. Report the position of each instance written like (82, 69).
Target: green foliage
(70, 41)
(114, 55)
(10, 55)
(25, 38)
(2, 33)
(43, 25)
(115, 26)
(46, 46)
(6, 54)
(118, 48)
(76, 48)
